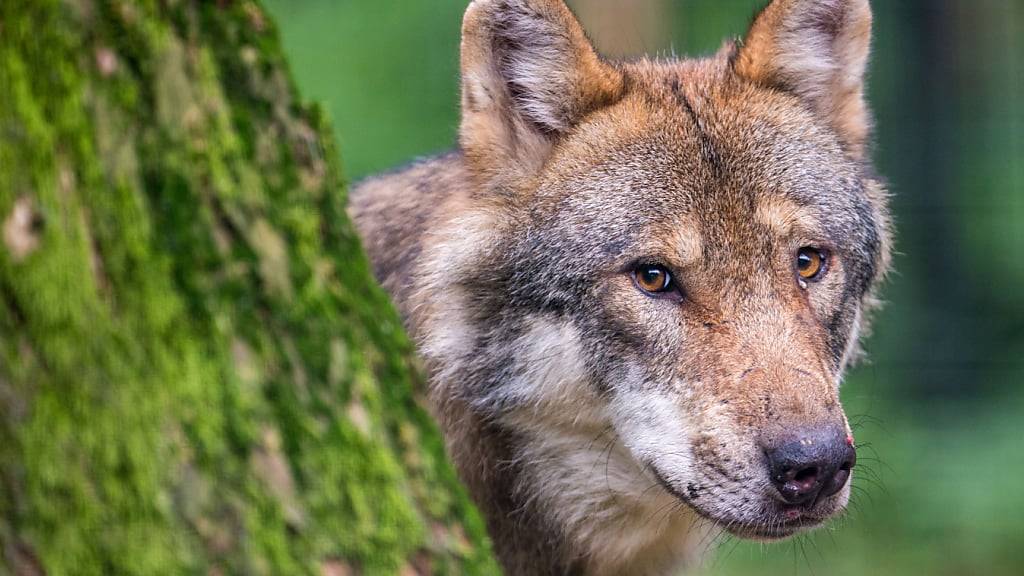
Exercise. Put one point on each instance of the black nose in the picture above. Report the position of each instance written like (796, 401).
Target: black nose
(811, 464)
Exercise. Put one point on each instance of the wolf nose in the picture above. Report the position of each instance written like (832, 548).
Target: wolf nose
(811, 464)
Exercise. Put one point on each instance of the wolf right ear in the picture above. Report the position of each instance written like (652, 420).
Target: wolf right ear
(817, 50)
(529, 74)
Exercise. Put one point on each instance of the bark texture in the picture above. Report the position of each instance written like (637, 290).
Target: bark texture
(197, 373)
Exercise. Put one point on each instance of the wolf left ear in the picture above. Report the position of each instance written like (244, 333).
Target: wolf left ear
(529, 74)
(818, 50)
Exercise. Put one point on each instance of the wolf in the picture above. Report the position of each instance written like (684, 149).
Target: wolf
(635, 286)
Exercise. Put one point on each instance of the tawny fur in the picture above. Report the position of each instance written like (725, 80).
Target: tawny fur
(600, 430)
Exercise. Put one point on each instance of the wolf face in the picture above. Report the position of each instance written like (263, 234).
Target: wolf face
(637, 285)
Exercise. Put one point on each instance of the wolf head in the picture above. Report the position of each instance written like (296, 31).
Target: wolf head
(664, 266)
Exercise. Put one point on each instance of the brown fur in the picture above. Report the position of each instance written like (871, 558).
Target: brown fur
(600, 430)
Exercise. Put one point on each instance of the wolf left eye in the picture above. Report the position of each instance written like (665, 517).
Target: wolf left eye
(811, 264)
(655, 281)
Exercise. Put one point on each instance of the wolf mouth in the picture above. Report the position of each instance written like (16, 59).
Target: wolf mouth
(771, 529)
(770, 532)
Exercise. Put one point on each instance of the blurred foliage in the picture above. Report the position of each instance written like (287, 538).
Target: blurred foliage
(198, 374)
(938, 406)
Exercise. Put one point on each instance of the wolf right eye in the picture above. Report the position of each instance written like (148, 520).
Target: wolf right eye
(811, 263)
(655, 281)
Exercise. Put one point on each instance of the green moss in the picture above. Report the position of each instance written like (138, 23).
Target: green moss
(197, 372)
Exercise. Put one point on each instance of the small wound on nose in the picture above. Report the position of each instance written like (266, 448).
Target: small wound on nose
(849, 440)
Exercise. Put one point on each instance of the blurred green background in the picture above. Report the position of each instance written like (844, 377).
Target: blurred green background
(939, 407)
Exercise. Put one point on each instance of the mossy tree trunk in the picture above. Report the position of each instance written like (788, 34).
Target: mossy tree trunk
(197, 373)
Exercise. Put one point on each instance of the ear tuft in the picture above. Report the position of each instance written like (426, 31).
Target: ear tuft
(529, 74)
(537, 59)
(818, 50)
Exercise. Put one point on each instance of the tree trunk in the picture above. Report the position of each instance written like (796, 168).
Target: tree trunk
(197, 373)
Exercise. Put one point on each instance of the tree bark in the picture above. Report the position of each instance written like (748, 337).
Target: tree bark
(197, 373)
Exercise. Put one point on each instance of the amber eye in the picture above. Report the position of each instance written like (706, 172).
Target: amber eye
(655, 280)
(810, 263)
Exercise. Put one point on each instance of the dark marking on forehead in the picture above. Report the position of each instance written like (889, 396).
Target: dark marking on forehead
(707, 147)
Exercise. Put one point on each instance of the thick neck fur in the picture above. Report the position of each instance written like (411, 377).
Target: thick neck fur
(571, 503)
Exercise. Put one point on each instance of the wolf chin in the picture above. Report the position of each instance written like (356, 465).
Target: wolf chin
(636, 286)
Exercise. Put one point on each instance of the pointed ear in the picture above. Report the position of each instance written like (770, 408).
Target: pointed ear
(818, 50)
(529, 74)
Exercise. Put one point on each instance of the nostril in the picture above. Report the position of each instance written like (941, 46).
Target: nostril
(842, 475)
(851, 459)
(807, 475)
(838, 482)
(798, 484)
(804, 483)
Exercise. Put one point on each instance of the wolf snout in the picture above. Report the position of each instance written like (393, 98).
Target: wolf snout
(811, 464)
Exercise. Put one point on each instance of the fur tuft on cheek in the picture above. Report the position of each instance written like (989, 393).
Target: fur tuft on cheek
(652, 425)
(547, 385)
(443, 320)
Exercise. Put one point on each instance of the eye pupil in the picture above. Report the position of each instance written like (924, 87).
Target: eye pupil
(810, 263)
(654, 279)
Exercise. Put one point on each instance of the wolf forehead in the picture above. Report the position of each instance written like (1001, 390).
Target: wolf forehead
(702, 160)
